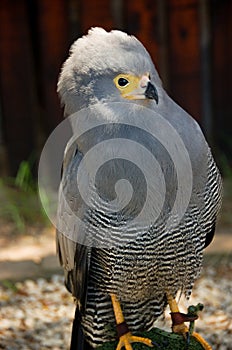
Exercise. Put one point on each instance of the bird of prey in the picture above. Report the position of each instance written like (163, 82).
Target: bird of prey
(122, 288)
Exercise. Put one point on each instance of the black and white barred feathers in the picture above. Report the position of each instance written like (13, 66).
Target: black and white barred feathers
(151, 143)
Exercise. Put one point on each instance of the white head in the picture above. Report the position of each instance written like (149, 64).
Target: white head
(107, 66)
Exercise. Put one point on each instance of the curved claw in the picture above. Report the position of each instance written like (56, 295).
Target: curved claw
(125, 336)
(123, 341)
(202, 341)
(126, 340)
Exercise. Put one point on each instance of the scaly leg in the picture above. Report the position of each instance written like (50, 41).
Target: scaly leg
(125, 336)
(178, 325)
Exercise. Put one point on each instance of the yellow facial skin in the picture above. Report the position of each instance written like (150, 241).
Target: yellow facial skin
(132, 87)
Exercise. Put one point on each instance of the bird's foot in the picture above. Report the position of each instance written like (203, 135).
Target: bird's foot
(125, 336)
(202, 341)
(127, 339)
(178, 319)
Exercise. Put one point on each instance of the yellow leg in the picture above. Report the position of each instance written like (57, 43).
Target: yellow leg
(125, 337)
(181, 327)
(176, 328)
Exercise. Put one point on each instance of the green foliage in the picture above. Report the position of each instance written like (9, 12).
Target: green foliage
(24, 179)
(20, 203)
(225, 167)
(225, 219)
(9, 285)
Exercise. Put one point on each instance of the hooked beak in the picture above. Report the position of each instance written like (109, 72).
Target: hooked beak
(151, 92)
(144, 89)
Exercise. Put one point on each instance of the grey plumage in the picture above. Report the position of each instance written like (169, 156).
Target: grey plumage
(161, 258)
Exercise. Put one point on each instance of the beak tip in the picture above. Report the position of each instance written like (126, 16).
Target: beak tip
(151, 92)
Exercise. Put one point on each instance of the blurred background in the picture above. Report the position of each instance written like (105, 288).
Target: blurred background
(190, 42)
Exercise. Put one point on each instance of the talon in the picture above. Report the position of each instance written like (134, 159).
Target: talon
(125, 337)
(179, 318)
(202, 341)
(154, 343)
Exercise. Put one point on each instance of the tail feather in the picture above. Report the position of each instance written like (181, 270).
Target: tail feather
(78, 341)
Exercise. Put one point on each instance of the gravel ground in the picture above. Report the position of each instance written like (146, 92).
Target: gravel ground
(38, 314)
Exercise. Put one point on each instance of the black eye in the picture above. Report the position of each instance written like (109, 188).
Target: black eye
(122, 82)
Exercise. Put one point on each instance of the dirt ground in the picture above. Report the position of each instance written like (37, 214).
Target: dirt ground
(34, 255)
(36, 310)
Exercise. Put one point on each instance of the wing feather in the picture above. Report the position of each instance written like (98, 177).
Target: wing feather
(74, 257)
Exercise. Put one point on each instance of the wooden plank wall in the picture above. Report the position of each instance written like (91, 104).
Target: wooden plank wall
(53, 34)
(96, 13)
(141, 20)
(35, 37)
(33, 44)
(221, 15)
(184, 54)
(18, 98)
